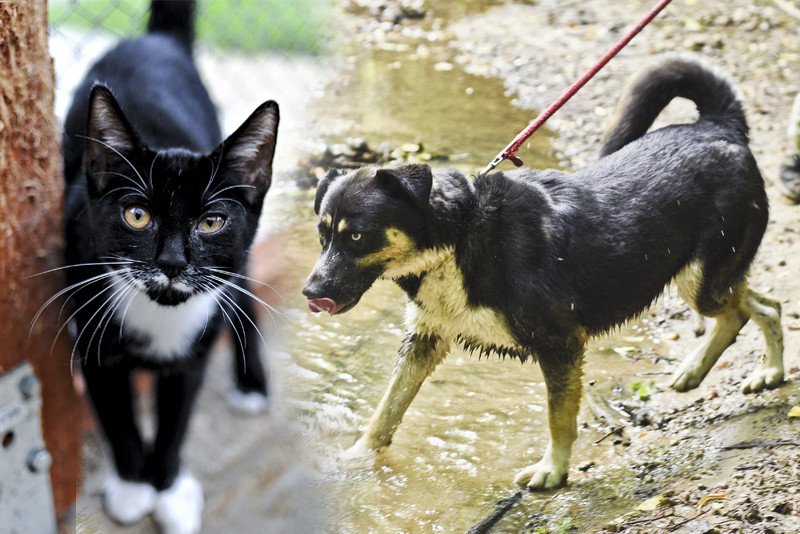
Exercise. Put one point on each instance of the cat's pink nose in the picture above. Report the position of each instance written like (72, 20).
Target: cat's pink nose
(323, 304)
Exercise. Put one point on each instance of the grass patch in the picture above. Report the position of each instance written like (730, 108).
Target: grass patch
(242, 25)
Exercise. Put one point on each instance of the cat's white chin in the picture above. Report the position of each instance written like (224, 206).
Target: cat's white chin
(179, 508)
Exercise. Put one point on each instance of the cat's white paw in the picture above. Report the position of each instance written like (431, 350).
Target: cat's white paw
(179, 509)
(128, 502)
(249, 403)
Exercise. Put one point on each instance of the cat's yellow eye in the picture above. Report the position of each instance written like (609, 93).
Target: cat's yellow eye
(211, 223)
(138, 217)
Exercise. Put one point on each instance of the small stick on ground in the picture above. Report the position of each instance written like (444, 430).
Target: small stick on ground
(500, 510)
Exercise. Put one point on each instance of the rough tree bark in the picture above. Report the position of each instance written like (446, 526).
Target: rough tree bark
(30, 230)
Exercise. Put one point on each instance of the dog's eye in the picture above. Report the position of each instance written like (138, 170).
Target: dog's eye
(321, 237)
(355, 236)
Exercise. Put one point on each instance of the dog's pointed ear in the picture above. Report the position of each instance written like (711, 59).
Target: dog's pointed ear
(413, 181)
(111, 138)
(324, 184)
(249, 150)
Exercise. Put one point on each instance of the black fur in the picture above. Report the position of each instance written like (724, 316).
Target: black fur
(142, 134)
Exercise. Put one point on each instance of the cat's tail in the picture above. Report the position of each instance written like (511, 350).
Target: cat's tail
(173, 18)
(650, 90)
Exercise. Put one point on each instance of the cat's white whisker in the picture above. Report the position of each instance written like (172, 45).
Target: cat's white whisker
(267, 307)
(77, 287)
(94, 264)
(152, 164)
(213, 175)
(136, 185)
(109, 304)
(242, 343)
(113, 284)
(118, 153)
(245, 277)
(230, 299)
(227, 199)
(217, 193)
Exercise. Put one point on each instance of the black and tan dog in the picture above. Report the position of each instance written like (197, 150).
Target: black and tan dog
(532, 263)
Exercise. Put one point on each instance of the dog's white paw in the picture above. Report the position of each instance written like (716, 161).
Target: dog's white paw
(359, 450)
(543, 475)
(764, 378)
(179, 508)
(128, 502)
(688, 376)
(251, 403)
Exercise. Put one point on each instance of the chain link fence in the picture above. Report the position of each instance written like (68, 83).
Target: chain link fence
(247, 51)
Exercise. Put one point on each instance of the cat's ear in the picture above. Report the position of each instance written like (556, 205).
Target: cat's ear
(248, 152)
(110, 136)
(324, 184)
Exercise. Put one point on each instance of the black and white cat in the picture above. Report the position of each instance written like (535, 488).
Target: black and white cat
(160, 214)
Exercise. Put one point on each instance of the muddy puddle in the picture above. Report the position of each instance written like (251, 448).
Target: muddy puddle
(475, 422)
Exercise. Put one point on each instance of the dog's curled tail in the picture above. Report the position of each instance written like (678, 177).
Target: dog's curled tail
(175, 18)
(651, 89)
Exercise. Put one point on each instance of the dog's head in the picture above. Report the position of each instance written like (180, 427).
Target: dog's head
(371, 225)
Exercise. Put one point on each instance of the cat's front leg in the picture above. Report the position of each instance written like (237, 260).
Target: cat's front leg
(128, 498)
(179, 502)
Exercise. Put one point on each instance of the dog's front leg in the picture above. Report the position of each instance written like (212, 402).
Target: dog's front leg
(419, 356)
(562, 374)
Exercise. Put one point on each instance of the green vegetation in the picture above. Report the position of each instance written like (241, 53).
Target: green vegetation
(641, 392)
(241, 25)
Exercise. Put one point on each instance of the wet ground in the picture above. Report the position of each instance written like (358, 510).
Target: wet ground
(647, 459)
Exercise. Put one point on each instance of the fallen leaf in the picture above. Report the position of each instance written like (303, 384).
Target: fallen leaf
(794, 412)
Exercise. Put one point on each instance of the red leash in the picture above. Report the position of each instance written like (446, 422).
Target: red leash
(510, 151)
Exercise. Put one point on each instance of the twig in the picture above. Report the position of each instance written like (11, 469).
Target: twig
(500, 510)
(676, 526)
(614, 430)
(762, 443)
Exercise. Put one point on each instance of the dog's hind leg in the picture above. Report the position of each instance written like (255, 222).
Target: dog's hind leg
(562, 375)
(766, 313)
(731, 311)
(418, 357)
(697, 365)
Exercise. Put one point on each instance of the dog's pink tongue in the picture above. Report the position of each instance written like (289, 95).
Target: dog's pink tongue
(321, 305)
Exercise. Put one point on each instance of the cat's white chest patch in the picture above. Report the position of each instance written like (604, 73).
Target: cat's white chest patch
(168, 331)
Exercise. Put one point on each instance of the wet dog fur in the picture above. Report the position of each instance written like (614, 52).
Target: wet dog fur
(531, 263)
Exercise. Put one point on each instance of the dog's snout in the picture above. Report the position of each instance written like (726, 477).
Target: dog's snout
(314, 288)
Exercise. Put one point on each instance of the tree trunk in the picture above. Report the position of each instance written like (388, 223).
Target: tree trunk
(31, 232)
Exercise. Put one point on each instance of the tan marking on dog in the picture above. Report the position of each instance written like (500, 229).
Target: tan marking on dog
(342, 226)
(444, 310)
(326, 220)
(400, 250)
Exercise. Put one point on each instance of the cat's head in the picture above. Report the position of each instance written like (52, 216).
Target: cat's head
(174, 220)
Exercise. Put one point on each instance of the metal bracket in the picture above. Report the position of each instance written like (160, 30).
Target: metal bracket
(26, 497)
